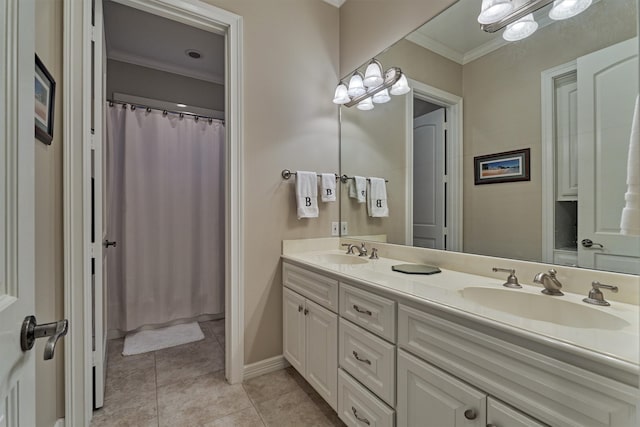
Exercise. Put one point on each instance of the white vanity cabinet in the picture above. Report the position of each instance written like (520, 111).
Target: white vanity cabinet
(310, 339)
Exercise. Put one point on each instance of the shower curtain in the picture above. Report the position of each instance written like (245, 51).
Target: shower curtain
(165, 208)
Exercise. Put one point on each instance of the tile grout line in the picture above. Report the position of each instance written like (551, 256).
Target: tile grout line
(253, 403)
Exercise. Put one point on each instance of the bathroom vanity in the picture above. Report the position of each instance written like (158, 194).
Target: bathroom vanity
(456, 348)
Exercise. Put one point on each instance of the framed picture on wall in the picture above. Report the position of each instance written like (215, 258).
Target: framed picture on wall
(509, 166)
(45, 90)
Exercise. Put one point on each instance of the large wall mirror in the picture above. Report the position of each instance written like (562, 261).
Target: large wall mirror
(560, 102)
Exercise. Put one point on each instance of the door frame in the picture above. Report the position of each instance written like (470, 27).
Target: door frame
(76, 191)
(454, 127)
(548, 175)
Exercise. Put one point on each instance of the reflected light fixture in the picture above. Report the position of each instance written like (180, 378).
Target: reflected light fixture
(355, 92)
(494, 10)
(181, 105)
(521, 29)
(365, 105)
(564, 9)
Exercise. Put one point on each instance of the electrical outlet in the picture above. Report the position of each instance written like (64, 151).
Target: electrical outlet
(335, 228)
(344, 230)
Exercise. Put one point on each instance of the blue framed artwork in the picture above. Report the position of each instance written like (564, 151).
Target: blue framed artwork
(508, 166)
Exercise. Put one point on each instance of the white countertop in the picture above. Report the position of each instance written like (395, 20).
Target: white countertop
(618, 346)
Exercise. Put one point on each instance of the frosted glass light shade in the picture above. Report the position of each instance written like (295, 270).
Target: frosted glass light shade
(366, 104)
(373, 75)
(521, 29)
(381, 97)
(401, 86)
(564, 9)
(494, 10)
(341, 96)
(356, 88)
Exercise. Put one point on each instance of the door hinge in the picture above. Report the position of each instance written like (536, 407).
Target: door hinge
(93, 250)
(93, 33)
(93, 358)
(92, 141)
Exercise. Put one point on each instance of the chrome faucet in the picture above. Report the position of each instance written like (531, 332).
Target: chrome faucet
(362, 251)
(551, 284)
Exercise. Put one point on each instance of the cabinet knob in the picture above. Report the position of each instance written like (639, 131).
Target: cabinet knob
(470, 414)
(299, 308)
(306, 311)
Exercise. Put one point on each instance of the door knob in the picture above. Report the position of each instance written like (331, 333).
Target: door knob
(31, 331)
(587, 243)
(108, 243)
(470, 414)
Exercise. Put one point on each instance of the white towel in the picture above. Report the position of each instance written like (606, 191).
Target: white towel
(377, 201)
(328, 187)
(307, 194)
(361, 188)
(630, 220)
(351, 187)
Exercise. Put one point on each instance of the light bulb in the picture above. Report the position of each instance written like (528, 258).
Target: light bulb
(366, 104)
(521, 29)
(341, 96)
(401, 86)
(356, 88)
(564, 9)
(373, 75)
(381, 97)
(494, 10)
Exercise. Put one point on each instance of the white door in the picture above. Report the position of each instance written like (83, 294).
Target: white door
(98, 224)
(427, 393)
(322, 352)
(428, 180)
(499, 414)
(607, 89)
(17, 240)
(293, 320)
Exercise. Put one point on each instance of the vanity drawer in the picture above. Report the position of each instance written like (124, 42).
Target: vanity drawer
(369, 359)
(368, 310)
(357, 406)
(316, 287)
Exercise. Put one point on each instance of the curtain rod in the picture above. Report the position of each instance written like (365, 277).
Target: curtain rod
(164, 112)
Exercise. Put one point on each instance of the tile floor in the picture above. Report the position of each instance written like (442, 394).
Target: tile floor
(185, 386)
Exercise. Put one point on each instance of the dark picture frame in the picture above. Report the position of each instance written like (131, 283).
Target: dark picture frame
(45, 91)
(508, 166)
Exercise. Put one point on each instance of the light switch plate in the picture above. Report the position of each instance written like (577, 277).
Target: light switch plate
(344, 230)
(335, 228)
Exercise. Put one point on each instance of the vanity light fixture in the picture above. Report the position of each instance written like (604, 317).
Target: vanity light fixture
(494, 10)
(356, 87)
(373, 75)
(564, 9)
(521, 29)
(356, 93)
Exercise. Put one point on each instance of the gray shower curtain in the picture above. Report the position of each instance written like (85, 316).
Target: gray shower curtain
(165, 208)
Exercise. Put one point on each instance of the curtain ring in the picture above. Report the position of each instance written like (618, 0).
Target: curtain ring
(210, 120)
(133, 108)
(110, 103)
(148, 110)
(182, 115)
(196, 118)
(124, 106)
(164, 112)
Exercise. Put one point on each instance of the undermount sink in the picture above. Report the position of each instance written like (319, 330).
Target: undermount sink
(341, 259)
(545, 308)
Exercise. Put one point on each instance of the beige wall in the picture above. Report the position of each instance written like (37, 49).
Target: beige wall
(290, 72)
(131, 79)
(48, 227)
(367, 27)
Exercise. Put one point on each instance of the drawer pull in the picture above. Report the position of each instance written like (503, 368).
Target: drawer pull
(360, 310)
(299, 308)
(359, 359)
(470, 414)
(306, 311)
(359, 418)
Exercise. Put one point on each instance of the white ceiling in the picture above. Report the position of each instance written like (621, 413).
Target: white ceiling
(151, 41)
(456, 34)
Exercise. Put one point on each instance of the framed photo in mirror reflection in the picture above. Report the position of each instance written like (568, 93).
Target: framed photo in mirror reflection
(508, 166)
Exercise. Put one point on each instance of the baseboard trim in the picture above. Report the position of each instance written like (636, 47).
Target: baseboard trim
(265, 366)
(59, 423)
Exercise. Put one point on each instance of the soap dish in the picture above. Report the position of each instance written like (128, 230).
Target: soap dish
(415, 269)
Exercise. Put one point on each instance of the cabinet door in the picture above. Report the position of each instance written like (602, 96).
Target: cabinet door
(429, 396)
(322, 352)
(293, 321)
(501, 415)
